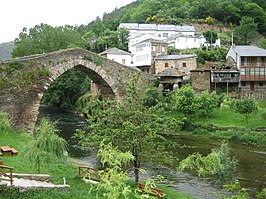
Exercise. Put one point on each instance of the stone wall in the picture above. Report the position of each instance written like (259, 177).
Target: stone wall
(201, 80)
(191, 64)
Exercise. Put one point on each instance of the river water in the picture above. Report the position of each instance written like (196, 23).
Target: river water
(251, 169)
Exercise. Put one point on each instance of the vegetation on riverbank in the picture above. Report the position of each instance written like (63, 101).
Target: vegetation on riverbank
(58, 169)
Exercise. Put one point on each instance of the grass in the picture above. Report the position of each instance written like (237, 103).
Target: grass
(224, 123)
(57, 169)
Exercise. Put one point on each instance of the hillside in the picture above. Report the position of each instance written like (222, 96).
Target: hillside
(5, 50)
(223, 17)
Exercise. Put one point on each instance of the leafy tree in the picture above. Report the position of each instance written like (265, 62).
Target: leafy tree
(130, 126)
(66, 89)
(210, 36)
(46, 145)
(218, 163)
(258, 14)
(44, 38)
(262, 43)
(185, 101)
(152, 97)
(114, 178)
(207, 102)
(246, 31)
(246, 107)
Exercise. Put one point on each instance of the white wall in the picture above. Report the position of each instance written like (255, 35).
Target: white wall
(119, 59)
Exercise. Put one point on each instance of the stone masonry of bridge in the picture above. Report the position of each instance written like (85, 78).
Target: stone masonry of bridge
(110, 77)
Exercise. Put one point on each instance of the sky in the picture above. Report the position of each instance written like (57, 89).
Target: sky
(17, 14)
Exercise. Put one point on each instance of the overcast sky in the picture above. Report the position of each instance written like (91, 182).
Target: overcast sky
(16, 14)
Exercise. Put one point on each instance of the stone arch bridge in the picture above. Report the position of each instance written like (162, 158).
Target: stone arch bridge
(21, 91)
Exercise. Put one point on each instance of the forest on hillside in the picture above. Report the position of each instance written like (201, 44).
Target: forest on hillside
(221, 13)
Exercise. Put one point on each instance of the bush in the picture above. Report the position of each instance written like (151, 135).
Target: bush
(263, 115)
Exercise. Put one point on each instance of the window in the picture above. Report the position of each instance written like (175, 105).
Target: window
(159, 35)
(260, 83)
(132, 62)
(243, 83)
(262, 71)
(163, 49)
(153, 48)
(252, 71)
(165, 34)
(166, 65)
(123, 61)
(257, 71)
(184, 64)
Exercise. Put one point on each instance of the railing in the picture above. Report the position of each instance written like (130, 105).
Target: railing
(89, 173)
(225, 79)
(7, 175)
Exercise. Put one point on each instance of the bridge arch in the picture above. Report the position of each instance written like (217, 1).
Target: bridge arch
(110, 77)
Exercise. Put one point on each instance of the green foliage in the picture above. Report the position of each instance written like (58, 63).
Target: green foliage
(46, 144)
(130, 126)
(246, 31)
(114, 178)
(185, 101)
(210, 36)
(261, 194)
(262, 43)
(5, 125)
(20, 76)
(152, 97)
(44, 38)
(207, 102)
(246, 107)
(67, 88)
(229, 165)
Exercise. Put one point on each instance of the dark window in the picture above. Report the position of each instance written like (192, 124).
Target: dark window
(243, 83)
(166, 65)
(260, 83)
(184, 64)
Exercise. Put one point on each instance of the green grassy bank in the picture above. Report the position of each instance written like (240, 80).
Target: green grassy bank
(225, 124)
(57, 169)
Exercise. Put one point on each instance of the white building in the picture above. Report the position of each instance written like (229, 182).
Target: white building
(119, 56)
(180, 41)
(145, 51)
(158, 31)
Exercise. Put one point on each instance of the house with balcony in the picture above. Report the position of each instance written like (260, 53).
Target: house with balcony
(251, 62)
(145, 53)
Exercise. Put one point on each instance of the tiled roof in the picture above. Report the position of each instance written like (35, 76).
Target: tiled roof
(115, 51)
(249, 51)
(174, 57)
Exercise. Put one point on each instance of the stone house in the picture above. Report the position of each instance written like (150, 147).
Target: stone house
(201, 79)
(251, 62)
(183, 62)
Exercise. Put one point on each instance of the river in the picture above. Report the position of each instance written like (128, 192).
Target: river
(251, 169)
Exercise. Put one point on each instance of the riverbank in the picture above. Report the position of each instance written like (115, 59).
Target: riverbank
(57, 169)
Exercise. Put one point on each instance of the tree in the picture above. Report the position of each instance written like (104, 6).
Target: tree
(44, 38)
(207, 102)
(210, 36)
(246, 31)
(184, 101)
(262, 43)
(46, 145)
(246, 107)
(130, 126)
(66, 89)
